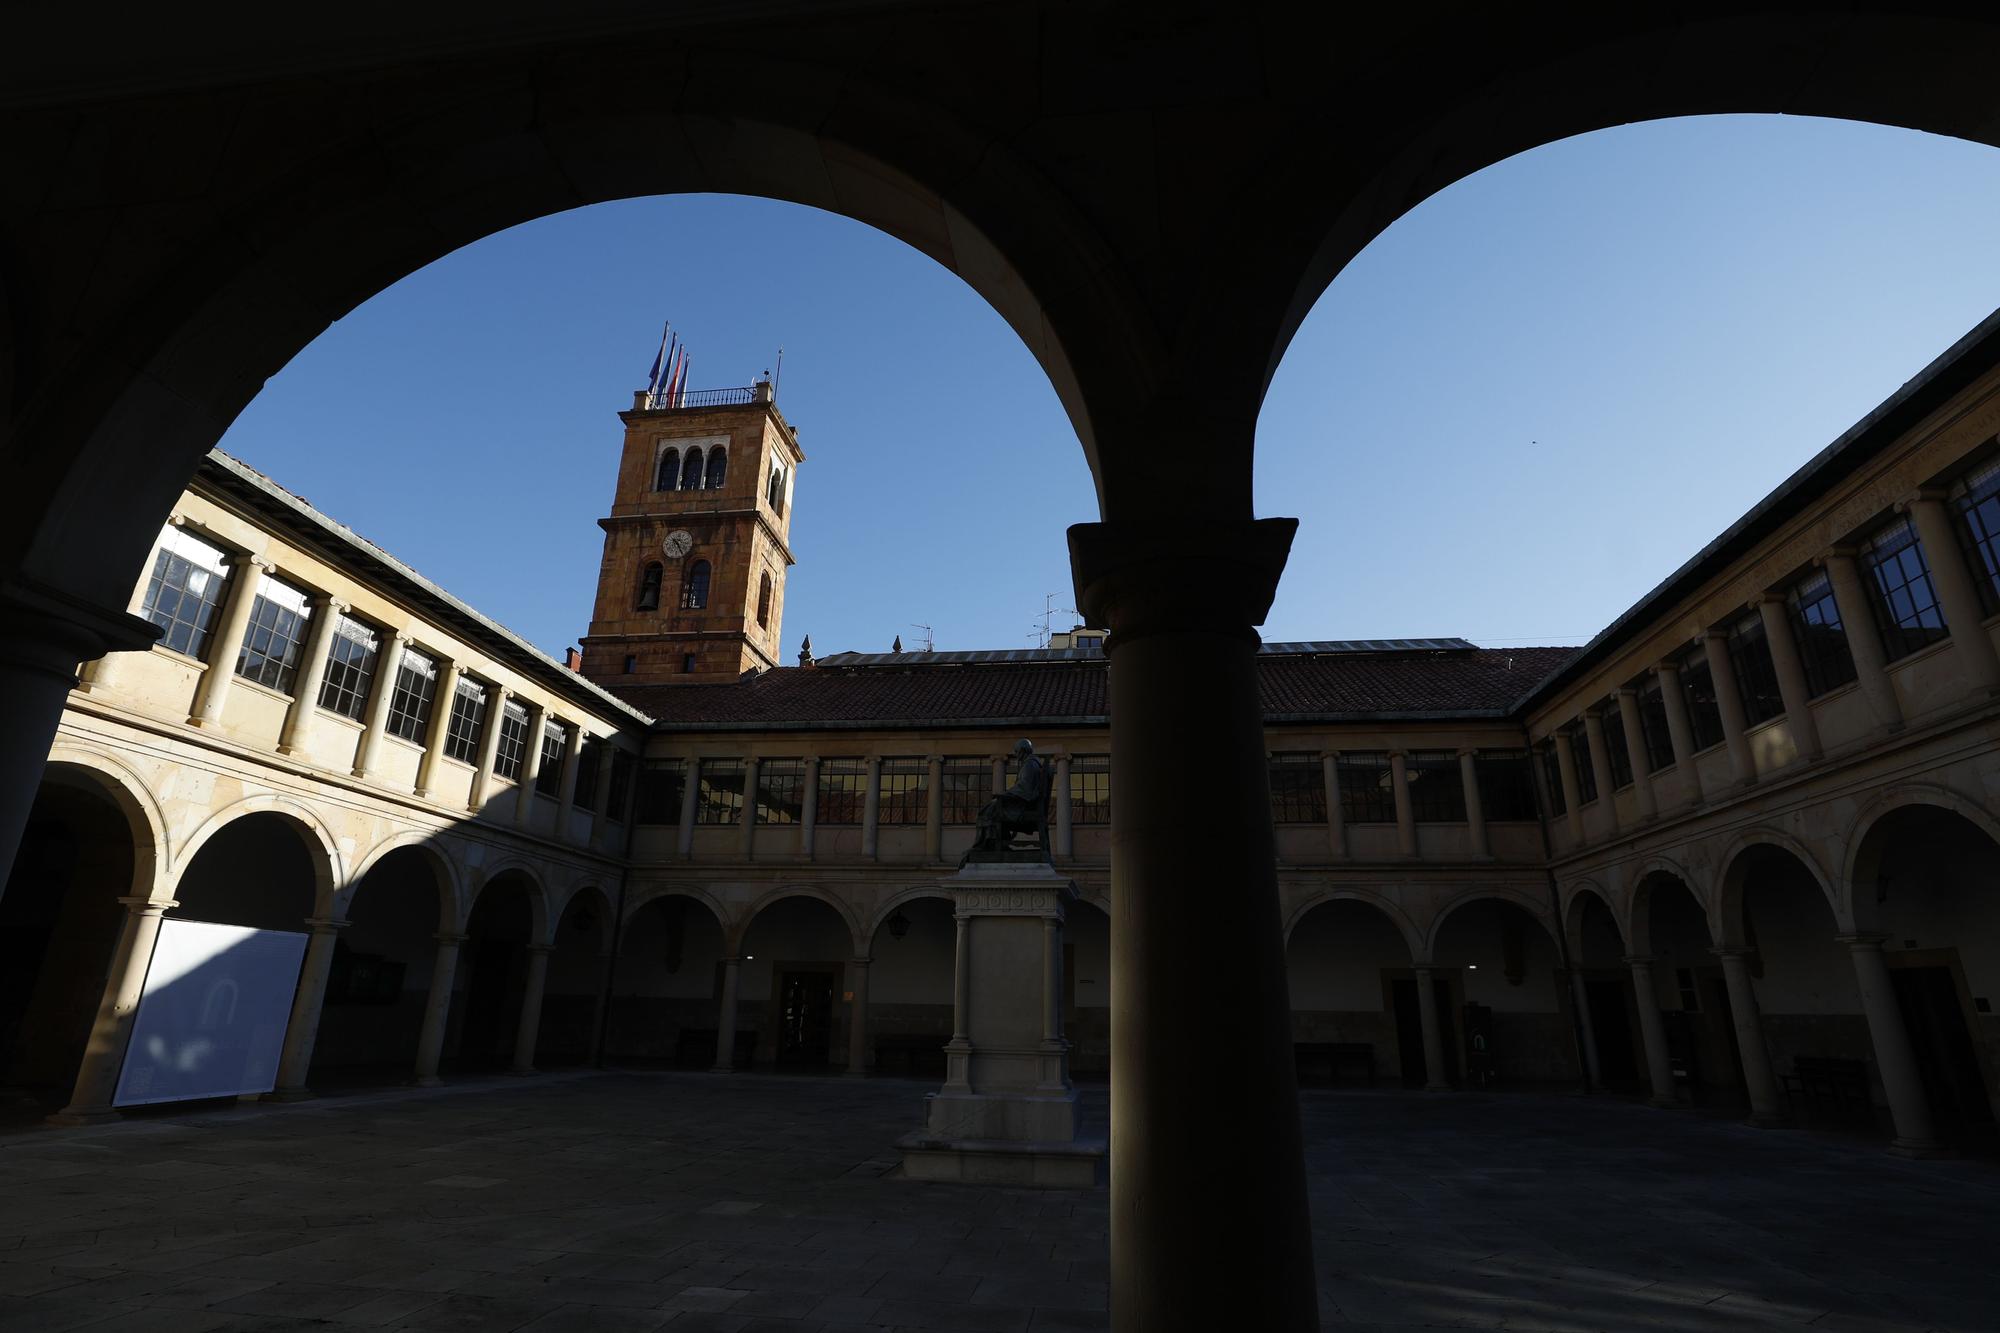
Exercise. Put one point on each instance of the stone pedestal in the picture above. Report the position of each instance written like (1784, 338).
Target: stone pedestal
(1007, 1113)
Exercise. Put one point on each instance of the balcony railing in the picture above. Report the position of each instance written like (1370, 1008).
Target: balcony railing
(743, 397)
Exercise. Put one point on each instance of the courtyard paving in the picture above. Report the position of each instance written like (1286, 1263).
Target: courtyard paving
(690, 1202)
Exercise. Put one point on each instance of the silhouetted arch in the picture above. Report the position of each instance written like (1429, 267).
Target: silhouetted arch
(1657, 880)
(764, 601)
(1579, 900)
(113, 779)
(450, 888)
(649, 586)
(741, 929)
(541, 919)
(718, 468)
(691, 471)
(1860, 859)
(1413, 939)
(667, 475)
(1730, 885)
(1538, 911)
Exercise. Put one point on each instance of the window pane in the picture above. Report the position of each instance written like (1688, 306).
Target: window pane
(1437, 789)
(904, 798)
(1506, 787)
(1976, 500)
(624, 766)
(662, 787)
(843, 788)
(781, 784)
(185, 591)
(513, 745)
(1365, 794)
(1586, 771)
(967, 782)
(1900, 578)
(548, 778)
(1552, 778)
(1090, 789)
(467, 720)
(1822, 639)
(588, 760)
(1756, 677)
(1653, 725)
(1704, 714)
(276, 635)
(719, 794)
(350, 667)
(410, 701)
(1613, 721)
(1298, 789)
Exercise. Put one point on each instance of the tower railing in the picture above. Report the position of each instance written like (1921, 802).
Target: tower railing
(743, 397)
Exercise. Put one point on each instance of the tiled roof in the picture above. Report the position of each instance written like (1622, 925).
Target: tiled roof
(1475, 682)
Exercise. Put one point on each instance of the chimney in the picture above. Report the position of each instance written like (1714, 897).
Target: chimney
(573, 659)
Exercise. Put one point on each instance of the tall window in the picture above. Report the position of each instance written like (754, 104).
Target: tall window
(1756, 677)
(624, 764)
(904, 798)
(1298, 789)
(185, 591)
(1653, 727)
(764, 601)
(1366, 796)
(967, 783)
(774, 491)
(662, 787)
(649, 586)
(668, 474)
(694, 589)
(507, 756)
(1698, 689)
(555, 739)
(1090, 789)
(410, 698)
(1437, 789)
(275, 637)
(781, 785)
(1823, 649)
(718, 468)
(1615, 753)
(1906, 603)
(691, 471)
(1506, 785)
(843, 791)
(719, 794)
(1552, 781)
(1586, 771)
(1976, 499)
(587, 760)
(467, 720)
(350, 667)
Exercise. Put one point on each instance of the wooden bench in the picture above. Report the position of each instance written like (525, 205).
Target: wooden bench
(696, 1049)
(1830, 1087)
(1332, 1056)
(917, 1053)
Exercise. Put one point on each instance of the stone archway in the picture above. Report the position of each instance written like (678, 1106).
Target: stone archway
(379, 980)
(666, 983)
(796, 954)
(1515, 1016)
(1349, 960)
(1676, 969)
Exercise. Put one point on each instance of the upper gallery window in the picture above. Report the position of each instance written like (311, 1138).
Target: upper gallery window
(1612, 720)
(966, 785)
(350, 667)
(1437, 788)
(1552, 777)
(691, 471)
(1586, 770)
(468, 716)
(1366, 796)
(1976, 499)
(1090, 789)
(1823, 650)
(555, 739)
(843, 791)
(1698, 689)
(1653, 725)
(275, 636)
(185, 591)
(662, 786)
(1506, 786)
(1905, 600)
(781, 785)
(719, 796)
(1756, 677)
(718, 468)
(410, 700)
(507, 755)
(1298, 789)
(904, 797)
(667, 475)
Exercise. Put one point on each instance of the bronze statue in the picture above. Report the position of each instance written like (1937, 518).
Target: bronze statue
(1022, 808)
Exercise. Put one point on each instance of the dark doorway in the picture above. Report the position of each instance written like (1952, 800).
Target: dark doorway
(805, 1017)
(1953, 1080)
(1410, 1031)
(499, 969)
(1611, 1024)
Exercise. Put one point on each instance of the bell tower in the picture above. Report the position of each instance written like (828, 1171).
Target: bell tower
(692, 588)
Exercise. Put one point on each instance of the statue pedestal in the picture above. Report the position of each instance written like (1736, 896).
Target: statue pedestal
(1007, 1113)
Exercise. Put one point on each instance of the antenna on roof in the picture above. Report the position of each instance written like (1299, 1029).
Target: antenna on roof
(1049, 612)
(780, 373)
(930, 643)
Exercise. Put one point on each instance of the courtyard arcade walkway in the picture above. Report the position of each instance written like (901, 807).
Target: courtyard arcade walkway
(690, 1202)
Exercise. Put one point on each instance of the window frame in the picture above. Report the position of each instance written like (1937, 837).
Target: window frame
(662, 791)
(465, 727)
(274, 638)
(1750, 662)
(177, 559)
(777, 778)
(836, 798)
(1444, 803)
(1898, 543)
(404, 721)
(1090, 791)
(511, 750)
(1297, 781)
(903, 794)
(1812, 609)
(695, 586)
(1366, 781)
(342, 682)
(1506, 781)
(718, 804)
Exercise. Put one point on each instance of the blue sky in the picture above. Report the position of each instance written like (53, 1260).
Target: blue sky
(1516, 411)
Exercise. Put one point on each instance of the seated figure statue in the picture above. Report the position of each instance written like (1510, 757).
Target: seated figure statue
(1022, 808)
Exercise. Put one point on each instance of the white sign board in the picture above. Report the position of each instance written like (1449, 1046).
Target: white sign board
(211, 1019)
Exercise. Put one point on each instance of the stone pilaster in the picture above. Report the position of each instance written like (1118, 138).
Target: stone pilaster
(246, 575)
(1791, 672)
(1864, 640)
(1729, 702)
(442, 704)
(1957, 596)
(389, 661)
(326, 613)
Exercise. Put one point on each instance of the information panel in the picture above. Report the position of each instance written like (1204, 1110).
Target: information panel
(211, 1020)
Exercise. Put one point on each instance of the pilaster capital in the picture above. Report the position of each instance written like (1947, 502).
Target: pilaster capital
(1625, 694)
(1767, 598)
(451, 937)
(143, 906)
(1639, 960)
(327, 602)
(1468, 752)
(1145, 577)
(1839, 551)
(1865, 941)
(1728, 951)
(1713, 634)
(327, 925)
(933, 759)
(1920, 495)
(859, 962)
(256, 560)
(1668, 667)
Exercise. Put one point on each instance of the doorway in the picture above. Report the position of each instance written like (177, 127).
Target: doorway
(1611, 1025)
(1410, 1030)
(1946, 1058)
(805, 1017)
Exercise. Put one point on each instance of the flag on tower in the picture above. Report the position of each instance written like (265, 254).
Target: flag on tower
(660, 360)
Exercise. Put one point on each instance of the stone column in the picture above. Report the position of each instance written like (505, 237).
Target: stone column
(326, 613)
(1475, 804)
(958, 1050)
(246, 573)
(1728, 702)
(857, 1018)
(1895, 1058)
(441, 707)
(531, 765)
(1427, 1016)
(527, 1035)
(1581, 995)
(1572, 785)
(1958, 597)
(748, 832)
(1406, 820)
(1766, 1107)
(725, 1018)
(690, 800)
(1652, 1032)
(1864, 642)
(1600, 765)
(388, 661)
(1065, 812)
(934, 808)
(999, 773)
(1336, 832)
(1791, 672)
(871, 808)
(489, 747)
(809, 808)
(566, 788)
(1051, 980)
(104, 1055)
(303, 1029)
(1203, 1072)
(437, 1009)
(1635, 751)
(1679, 730)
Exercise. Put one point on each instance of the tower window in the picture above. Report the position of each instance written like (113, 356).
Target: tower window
(687, 664)
(764, 602)
(694, 592)
(631, 663)
(775, 491)
(718, 468)
(649, 587)
(691, 471)
(668, 474)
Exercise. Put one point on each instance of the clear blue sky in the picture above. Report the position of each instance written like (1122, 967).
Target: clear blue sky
(1520, 408)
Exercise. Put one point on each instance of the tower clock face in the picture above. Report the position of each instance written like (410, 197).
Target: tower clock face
(678, 543)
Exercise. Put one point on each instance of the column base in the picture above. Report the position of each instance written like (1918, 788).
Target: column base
(1919, 1149)
(1663, 1103)
(75, 1117)
(1766, 1120)
(855, 1073)
(722, 1069)
(427, 1081)
(290, 1095)
(1074, 1164)
(523, 1073)
(1438, 1087)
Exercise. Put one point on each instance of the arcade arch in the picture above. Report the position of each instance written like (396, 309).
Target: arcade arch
(667, 982)
(378, 987)
(796, 952)
(1349, 964)
(1500, 961)
(906, 995)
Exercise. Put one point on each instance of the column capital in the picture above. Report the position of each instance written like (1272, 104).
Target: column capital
(1145, 577)
(1731, 951)
(1468, 752)
(1921, 495)
(1838, 551)
(1714, 634)
(1667, 667)
(326, 601)
(250, 560)
(452, 937)
(1865, 941)
(329, 924)
(1639, 959)
(859, 962)
(1625, 692)
(541, 948)
(1767, 597)
(141, 906)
